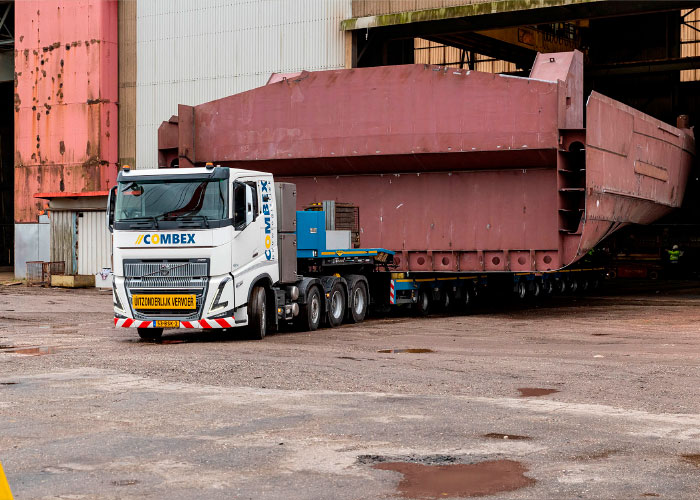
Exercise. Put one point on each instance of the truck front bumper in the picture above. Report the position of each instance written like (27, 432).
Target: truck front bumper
(200, 324)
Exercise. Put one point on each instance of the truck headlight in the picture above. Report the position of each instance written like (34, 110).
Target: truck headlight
(115, 298)
(216, 304)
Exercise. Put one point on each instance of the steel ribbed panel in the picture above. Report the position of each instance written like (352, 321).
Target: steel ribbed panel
(194, 52)
(94, 243)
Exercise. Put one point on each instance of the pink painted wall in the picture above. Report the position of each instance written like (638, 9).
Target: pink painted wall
(66, 89)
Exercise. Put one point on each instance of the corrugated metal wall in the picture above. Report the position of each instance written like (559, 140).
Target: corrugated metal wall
(194, 52)
(94, 243)
(63, 239)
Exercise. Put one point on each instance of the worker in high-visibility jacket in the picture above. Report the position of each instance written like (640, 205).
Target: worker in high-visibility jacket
(674, 257)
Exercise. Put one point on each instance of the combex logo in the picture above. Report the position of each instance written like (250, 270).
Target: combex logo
(166, 239)
(267, 201)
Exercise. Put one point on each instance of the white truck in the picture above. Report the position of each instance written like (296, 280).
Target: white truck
(217, 247)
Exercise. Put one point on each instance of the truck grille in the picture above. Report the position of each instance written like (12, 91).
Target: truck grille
(173, 268)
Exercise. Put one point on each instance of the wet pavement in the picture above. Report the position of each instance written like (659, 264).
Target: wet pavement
(580, 398)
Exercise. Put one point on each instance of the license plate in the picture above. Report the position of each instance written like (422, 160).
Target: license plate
(164, 301)
(166, 323)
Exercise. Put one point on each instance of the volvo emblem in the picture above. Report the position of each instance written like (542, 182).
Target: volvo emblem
(164, 270)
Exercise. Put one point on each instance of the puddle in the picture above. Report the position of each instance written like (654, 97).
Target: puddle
(458, 480)
(125, 482)
(513, 437)
(8, 383)
(32, 351)
(693, 459)
(599, 334)
(528, 392)
(398, 351)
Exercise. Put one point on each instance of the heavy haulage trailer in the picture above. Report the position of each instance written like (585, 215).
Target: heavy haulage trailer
(457, 179)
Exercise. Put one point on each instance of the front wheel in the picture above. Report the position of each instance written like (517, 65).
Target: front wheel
(336, 309)
(257, 314)
(150, 333)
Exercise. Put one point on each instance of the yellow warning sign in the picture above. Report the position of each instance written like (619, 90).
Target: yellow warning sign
(5, 493)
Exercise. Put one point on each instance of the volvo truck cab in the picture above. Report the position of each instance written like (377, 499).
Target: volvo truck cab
(190, 245)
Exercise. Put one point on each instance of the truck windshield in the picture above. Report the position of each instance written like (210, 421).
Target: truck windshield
(191, 200)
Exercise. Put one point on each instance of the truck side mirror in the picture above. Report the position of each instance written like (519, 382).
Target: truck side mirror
(111, 198)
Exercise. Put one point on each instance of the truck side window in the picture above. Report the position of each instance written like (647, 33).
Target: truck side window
(239, 212)
(256, 209)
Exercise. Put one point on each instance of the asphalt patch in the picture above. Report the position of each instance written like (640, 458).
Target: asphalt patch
(512, 437)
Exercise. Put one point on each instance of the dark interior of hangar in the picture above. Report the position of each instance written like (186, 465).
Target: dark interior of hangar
(6, 174)
(7, 127)
(644, 54)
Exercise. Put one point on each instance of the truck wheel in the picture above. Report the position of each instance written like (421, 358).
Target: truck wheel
(535, 289)
(573, 286)
(561, 286)
(257, 314)
(423, 304)
(358, 302)
(547, 288)
(310, 313)
(467, 299)
(521, 290)
(336, 307)
(150, 333)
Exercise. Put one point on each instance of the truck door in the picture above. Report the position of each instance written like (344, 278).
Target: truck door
(247, 245)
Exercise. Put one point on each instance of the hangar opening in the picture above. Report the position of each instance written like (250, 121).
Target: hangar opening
(643, 54)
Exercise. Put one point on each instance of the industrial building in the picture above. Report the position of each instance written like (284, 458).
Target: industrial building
(94, 79)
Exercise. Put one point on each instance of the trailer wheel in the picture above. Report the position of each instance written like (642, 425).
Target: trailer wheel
(150, 333)
(535, 289)
(573, 285)
(257, 314)
(467, 299)
(423, 304)
(584, 285)
(446, 301)
(521, 290)
(561, 286)
(336, 306)
(358, 302)
(547, 288)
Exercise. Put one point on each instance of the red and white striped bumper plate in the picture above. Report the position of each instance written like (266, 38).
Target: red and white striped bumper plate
(202, 323)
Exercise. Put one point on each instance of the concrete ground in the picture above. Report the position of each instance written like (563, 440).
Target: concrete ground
(598, 398)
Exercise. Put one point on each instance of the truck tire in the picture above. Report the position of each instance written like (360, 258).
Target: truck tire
(547, 288)
(467, 299)
(310, 313)
(423, 304)
(359, 299)
(336, 305)
(521, 290)
(257, 314)
(150, 333)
